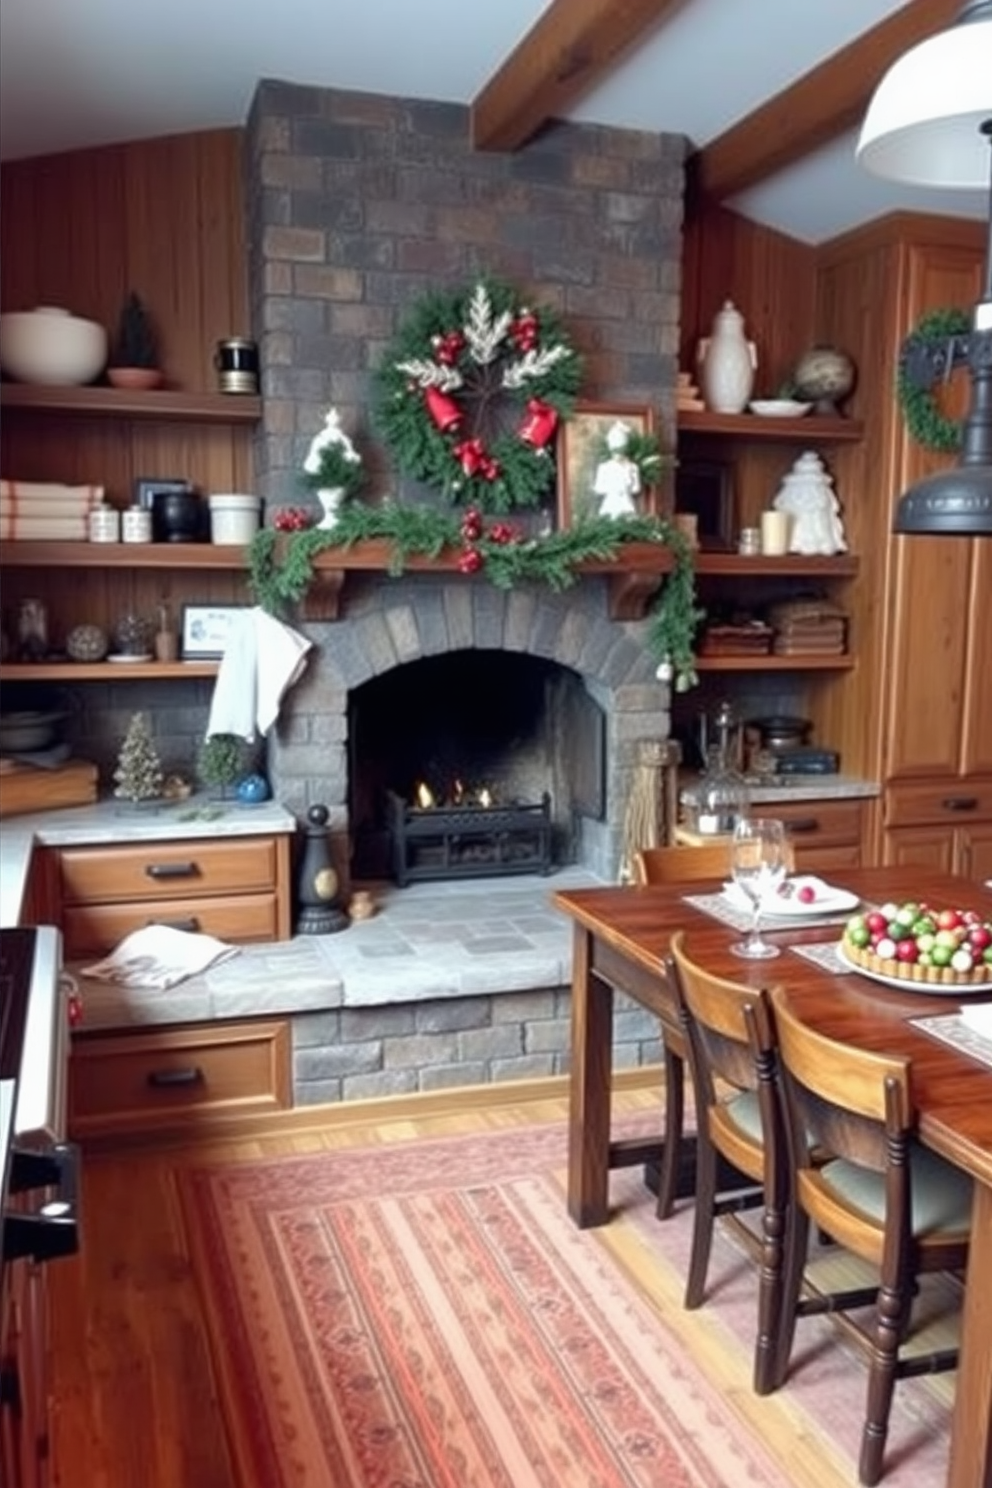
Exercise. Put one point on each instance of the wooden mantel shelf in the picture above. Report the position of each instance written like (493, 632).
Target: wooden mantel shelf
(634, 575)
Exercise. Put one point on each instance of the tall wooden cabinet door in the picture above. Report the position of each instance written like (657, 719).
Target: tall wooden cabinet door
(976, 723)
(929, 652)
(930, 615)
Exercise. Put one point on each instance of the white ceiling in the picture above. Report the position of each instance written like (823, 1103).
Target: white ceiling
(77, 73)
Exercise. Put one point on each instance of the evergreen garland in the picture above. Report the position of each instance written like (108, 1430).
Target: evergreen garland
(281, 565)
(925, 358)
(470, 393)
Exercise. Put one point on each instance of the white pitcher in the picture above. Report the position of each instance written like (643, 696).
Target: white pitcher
(727, 362)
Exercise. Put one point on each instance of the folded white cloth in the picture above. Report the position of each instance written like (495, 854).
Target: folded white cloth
(159, 956)
(262, 659)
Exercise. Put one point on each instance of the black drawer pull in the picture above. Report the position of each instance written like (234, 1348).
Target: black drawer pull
(189, 923)
(959, 803)
(171, 870)
(164, 1079)
(802, 824)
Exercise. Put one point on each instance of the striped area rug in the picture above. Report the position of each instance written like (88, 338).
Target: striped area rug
(425, 1315)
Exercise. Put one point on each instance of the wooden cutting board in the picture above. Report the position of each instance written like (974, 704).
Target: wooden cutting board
(27, 788)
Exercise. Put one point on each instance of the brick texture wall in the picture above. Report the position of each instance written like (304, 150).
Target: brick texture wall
(360, 203)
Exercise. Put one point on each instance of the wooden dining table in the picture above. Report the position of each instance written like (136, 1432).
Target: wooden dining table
(621, 936)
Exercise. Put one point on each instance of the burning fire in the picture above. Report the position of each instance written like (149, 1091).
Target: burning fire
(426, 800)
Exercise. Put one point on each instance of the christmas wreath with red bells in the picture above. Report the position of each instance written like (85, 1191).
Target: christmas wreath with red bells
(470, 395)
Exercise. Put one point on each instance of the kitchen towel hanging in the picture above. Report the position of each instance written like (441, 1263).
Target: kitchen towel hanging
(262, 660)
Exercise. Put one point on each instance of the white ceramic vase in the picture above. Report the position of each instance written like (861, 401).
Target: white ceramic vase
(727, 363)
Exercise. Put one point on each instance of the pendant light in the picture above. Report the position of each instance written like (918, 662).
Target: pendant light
(930, 124)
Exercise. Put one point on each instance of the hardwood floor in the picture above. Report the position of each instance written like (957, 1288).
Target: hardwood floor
(135, 1399)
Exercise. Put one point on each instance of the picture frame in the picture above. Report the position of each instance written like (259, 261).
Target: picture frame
(205, 630)
(580, 450)
(705, 488)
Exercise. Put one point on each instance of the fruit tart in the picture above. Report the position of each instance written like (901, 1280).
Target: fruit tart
(917, 943)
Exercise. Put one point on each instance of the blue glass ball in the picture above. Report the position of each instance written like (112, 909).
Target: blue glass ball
(252, 789)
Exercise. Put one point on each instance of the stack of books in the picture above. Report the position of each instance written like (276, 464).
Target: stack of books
(687, 399)
(808, 628)
(38, 511)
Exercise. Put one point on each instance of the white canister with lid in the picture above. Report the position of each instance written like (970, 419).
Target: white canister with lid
(136, 525)
(234, 517)
(104, 525)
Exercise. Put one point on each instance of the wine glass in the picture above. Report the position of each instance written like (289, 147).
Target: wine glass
(759, 863)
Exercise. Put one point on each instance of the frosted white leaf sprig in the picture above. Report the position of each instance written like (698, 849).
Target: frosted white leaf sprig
(332, 461)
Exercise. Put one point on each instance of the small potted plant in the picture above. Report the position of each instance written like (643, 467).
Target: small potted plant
(134, 353)
(221, 763)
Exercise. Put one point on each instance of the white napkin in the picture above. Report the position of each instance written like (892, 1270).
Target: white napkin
(825, 897)
(262, 659)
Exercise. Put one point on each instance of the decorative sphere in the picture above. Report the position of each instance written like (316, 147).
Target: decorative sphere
(252, 789)
(823, 375)
(87, 643)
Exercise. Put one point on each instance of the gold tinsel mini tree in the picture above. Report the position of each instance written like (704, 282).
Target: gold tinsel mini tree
(138, 775)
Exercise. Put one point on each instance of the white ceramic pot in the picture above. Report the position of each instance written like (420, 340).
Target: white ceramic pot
(728, 361)
(234, 518)
(52, 347)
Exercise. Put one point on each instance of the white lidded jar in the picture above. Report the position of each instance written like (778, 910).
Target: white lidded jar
(727, 363)
(234, 517)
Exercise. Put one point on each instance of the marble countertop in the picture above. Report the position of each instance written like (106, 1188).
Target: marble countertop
(117, 822)
(812, 788)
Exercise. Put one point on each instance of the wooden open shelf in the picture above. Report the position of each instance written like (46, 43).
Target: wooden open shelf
(107, 402)
(814, 663)
(808, 428)
(104, 671)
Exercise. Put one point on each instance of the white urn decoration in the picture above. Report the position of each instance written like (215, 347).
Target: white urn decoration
(727, 362)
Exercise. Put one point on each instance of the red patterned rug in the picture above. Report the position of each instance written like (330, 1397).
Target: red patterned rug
(425, 1315)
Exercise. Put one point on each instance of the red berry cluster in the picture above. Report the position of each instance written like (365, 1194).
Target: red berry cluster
(524, 330)
(448, 348)
(292, 519)
(473, 529)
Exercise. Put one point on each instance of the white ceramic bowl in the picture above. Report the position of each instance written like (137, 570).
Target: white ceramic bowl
(51, 346)
(779, 407)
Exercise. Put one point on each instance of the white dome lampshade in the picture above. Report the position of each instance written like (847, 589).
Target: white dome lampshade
(930, 124)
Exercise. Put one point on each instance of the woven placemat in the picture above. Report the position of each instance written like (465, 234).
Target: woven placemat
(951, 1028)
(717, 906)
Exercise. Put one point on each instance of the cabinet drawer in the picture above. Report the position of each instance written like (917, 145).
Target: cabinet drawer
(950, 802)
(818, 823)
(88, 928)
(166, 870)
(154, 1080)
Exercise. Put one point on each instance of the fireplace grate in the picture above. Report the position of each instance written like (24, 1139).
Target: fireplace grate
(468, 841)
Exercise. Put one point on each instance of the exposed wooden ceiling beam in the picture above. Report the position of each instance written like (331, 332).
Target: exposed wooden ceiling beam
(565, 52)
(830, 99)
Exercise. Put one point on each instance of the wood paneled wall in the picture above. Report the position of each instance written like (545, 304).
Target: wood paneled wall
(164, 218)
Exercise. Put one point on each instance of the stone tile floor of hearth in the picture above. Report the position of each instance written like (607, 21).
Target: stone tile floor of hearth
(456, 938)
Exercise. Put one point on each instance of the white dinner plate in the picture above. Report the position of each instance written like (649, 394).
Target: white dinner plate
(828, 900)
(904, 984)
(124, 658)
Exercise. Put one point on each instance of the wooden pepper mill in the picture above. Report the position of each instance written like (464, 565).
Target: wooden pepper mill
(320, 912)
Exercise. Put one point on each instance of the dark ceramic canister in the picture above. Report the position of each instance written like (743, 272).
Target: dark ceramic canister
(236, 361)
(178, 516)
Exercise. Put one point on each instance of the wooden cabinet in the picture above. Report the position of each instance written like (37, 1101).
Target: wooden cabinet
(825, 834)
(916, 712)
(236, 888)
(136, 1083)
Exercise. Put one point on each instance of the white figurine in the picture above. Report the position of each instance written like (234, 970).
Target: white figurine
(807, 494)
(617, 480)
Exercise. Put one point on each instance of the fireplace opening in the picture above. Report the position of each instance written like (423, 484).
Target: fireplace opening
(475, 762)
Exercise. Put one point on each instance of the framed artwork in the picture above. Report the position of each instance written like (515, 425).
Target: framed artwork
(205, 629)
(581, 450)
(705, 488)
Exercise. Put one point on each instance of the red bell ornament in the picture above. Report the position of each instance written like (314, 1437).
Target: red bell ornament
(442, 409)
(469, 454)
(538, 424)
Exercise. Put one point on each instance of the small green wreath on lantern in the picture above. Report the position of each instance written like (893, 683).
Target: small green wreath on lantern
(926, 358)
(470, 394)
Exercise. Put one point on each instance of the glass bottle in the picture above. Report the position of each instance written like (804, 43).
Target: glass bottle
(718, 800)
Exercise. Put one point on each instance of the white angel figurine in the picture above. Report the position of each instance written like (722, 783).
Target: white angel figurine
(807, 494)
(617, 480)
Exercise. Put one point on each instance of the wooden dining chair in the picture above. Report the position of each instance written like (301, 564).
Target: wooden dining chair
(732, 1059)
(665, 865)
(872, 1189)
